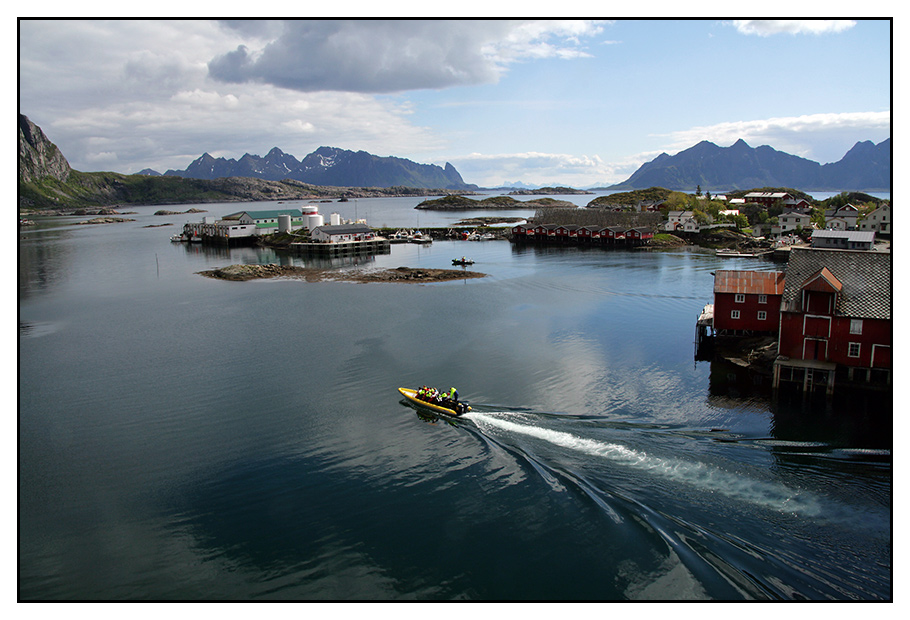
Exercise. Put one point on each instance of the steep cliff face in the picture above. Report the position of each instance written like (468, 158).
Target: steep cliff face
(38, 156)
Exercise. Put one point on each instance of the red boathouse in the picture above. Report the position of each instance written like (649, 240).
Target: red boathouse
(747, 302)
(835, 319)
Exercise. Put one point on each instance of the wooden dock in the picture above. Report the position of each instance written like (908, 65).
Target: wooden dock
(377, 245)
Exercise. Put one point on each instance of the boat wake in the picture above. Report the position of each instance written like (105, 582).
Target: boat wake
(774, 496)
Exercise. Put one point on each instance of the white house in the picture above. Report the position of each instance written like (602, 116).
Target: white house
(226, 230)
(342, 233)
(793, 220)
(837, 223)
(878, 221)
(848, 213)
(677, 220)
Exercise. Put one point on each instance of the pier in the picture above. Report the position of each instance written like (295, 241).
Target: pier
(376, 245)
(704, 333)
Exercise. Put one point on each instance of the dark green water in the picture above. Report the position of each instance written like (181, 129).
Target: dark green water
(185, 438)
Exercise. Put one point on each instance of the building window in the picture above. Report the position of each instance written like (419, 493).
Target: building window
(734, 314)
(762, 315)
(762, 299)
(740, 298)
(853, 350)
(856, 326)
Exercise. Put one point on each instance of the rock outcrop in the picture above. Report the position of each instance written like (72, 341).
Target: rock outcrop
(39, 157)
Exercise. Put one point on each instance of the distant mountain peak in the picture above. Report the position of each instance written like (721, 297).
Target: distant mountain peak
(866, 167)
(330, 166)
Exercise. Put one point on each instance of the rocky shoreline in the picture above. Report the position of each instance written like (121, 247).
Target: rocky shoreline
(239, 273)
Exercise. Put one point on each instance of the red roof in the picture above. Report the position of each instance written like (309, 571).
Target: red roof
(749, 282)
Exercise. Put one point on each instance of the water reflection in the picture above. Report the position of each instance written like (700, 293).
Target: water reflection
(44, 257)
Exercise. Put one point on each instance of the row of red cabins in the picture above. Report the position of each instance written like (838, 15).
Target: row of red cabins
(831, 310)
(571, 233)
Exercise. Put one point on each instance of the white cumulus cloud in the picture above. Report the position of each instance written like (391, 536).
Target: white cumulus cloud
(822, 137)
(385, 56)
(492, 169)
(768, 27)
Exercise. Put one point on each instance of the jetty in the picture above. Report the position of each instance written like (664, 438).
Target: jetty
(376, 245)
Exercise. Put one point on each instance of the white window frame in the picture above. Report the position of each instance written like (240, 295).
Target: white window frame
(856, 326)
(734, 314)
(762, 299)
(740, 298)
(853, 349)
(762, 315)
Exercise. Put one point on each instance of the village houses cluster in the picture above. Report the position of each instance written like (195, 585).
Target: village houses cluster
(844, 228)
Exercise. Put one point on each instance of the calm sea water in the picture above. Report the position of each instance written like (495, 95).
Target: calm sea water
(185, 438)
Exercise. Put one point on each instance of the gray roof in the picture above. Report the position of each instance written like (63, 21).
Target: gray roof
(865, 275)
(344, 229)
(865, 236)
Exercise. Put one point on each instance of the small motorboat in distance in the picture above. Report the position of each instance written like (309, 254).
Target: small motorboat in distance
(441, 405)
(462, 261)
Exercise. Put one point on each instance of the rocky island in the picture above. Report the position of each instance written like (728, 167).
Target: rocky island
(310, 274)
(457, 202)
(548, 191)
(107, 220)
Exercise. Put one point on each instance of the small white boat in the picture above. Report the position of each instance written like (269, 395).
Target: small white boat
(399, 237)
(177, 238)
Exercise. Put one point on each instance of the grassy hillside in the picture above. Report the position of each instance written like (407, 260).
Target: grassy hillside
(104, 189)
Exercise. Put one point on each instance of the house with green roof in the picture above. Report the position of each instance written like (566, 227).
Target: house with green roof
(267, 221)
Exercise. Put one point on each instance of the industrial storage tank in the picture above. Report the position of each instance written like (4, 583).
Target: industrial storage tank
(335, 219)
(312, 221)
(284, 223)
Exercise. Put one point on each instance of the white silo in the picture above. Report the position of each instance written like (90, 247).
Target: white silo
(312, 221)
(284, 223)
(335, 219)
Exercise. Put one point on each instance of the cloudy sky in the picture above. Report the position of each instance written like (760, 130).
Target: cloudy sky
(578, 103)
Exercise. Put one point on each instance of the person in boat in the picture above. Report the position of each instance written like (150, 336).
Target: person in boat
(450, 399)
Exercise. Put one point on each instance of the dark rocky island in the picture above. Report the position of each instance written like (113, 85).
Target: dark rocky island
(457, 202)
(548, 191)
(401, 274)
(107, 220)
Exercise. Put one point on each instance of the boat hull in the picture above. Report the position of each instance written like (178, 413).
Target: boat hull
(411, 395)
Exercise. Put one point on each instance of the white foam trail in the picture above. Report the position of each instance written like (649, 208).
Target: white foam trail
(771, 495)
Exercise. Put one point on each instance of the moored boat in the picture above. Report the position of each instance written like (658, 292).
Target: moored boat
(462, 261)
